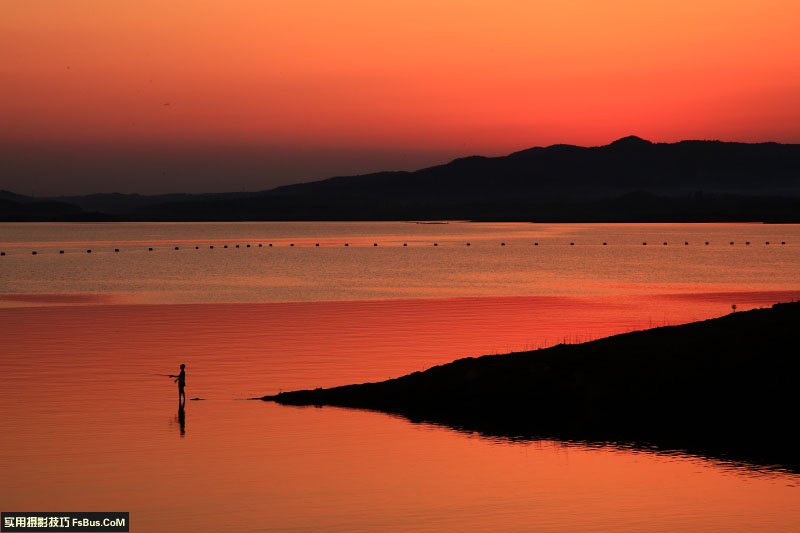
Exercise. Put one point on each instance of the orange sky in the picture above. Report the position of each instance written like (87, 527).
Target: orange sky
(401, 83)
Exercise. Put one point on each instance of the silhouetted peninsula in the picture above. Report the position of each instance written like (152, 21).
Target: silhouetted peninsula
(726, 387)
(629, 180)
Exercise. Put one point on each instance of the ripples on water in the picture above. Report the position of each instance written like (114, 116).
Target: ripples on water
(305, 272)
(88, 426)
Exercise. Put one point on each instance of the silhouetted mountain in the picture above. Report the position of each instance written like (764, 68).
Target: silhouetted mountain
(117, 203)
(13, 197)
(684, 181)
(15, 207)
(726, 387)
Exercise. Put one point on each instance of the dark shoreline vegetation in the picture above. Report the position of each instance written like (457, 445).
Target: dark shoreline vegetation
(725, 388)
(629, 180)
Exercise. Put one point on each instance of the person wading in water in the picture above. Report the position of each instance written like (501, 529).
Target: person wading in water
(180, 379)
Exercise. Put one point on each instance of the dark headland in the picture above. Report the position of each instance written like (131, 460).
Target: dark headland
(727, 387)
(629, 180)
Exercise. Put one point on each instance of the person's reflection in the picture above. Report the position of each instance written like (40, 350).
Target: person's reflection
(182, 416)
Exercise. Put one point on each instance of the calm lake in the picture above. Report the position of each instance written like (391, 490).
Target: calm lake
(255, 308)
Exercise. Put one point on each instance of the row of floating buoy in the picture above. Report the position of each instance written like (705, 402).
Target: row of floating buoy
(211, 247)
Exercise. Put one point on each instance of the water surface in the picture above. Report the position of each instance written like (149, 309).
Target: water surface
(89, 426)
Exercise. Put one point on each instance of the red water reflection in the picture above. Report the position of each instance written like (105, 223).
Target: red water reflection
(95, 427)
(235, 350)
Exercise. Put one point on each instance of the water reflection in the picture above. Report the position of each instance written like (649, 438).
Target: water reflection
(727, 455)
(726, 458)
(536, 260)
(182, 416)
(329, 469)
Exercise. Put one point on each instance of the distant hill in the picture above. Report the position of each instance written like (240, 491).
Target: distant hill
(15, 207)
(726, 387)
(628, 180)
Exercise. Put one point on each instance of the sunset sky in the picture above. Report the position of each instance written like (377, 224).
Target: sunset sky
(205, 95)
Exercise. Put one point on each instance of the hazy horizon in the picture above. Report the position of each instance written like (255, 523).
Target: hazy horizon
(152, 170)
(210, 170)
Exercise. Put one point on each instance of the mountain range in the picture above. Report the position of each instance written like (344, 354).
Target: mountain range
(629, 180)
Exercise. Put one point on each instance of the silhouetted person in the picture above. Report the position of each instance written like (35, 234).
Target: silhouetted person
(180, 379)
